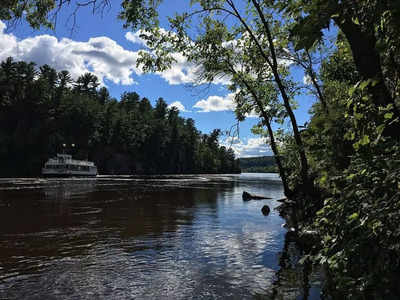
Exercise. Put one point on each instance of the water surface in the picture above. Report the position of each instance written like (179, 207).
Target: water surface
(179, 237)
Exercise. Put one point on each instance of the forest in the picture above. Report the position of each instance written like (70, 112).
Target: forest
(341, 170)
(44, 112)
(262, 164)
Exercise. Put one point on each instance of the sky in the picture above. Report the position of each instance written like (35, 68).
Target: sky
(99, 44)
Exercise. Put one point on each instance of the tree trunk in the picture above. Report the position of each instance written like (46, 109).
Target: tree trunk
(273, 63)
(267, 122)
(277, 157)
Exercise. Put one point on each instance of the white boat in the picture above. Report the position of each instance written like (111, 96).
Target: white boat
(64, 165)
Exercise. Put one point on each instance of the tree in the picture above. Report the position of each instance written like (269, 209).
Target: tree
(160, 111)
(130, 101)
(87, 84)
(103, 95)
(221, 51)
(44, 13)
(367, 26)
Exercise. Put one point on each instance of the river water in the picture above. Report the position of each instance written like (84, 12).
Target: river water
(179, 237)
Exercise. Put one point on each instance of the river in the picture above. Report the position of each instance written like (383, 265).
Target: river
(166, 237)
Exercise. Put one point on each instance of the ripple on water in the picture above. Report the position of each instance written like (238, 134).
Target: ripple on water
(178, 237)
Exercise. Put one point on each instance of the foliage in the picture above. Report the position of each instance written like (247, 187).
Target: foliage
(352, 145)
(263, 164)
(41, 110)
(251, 53)
(356, 162)
(359, 226)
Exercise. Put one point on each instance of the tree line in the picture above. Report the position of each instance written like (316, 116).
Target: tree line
(44, 112)
(262, 164)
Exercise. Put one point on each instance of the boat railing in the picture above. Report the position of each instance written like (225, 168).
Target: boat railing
(70, 161)
(80, 162)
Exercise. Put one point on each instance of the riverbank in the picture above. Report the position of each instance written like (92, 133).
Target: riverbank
(345, 249)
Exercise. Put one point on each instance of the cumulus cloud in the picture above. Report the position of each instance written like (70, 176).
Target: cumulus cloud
(253, 114)
(101, 56)
(181, 71)
(252, 147)
(8, 43)
(216, 103)
(178, 105)
(135, 37)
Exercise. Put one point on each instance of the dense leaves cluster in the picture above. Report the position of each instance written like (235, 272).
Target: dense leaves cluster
(40, 110)
(353, 150)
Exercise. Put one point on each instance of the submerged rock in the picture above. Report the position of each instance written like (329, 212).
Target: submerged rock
(265, 210)
(247, 196)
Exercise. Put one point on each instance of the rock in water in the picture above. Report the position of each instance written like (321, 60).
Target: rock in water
(247, 196)
(265, 210)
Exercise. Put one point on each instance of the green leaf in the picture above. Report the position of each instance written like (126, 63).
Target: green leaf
(356, 21)
(358, 116)
(388, 115)
(380, 129)
(364, 84)
(353, 216)
(351, 176)
(352, 90)
(365, 140)
(374, 82)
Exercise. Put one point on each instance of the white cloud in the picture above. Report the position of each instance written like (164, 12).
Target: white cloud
(307, 80)
(216, 103)
(181, 71)
(184, 72)
(101, 56)
(8, 43)
(178, 105)
(251, 148)
(252, 114)
(135, 38)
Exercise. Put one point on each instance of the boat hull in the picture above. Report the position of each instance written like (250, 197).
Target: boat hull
(67, 173)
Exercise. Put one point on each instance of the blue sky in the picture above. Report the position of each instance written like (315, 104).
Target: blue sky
(99, 44)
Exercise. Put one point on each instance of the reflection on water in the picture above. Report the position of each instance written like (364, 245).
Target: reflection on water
(130, 237)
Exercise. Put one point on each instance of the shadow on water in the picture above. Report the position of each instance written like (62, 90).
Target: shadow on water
(157, 237)
(295, 280)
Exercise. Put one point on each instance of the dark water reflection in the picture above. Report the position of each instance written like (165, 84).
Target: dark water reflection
(159, 237)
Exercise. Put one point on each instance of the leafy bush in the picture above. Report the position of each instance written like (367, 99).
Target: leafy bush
(359, 226)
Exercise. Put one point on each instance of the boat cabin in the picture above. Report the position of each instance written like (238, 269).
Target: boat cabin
(64, 164)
